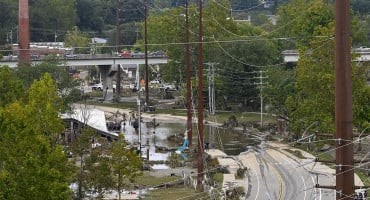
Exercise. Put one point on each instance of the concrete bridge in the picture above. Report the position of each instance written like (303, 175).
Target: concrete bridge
(107, 65)
(292, 56)
(88, 60)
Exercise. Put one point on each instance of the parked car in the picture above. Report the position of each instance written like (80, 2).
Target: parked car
(35, 56)
(132, 85)
(155, 81)
(159, 53)
(70, 56)
(98, 86)
(168, 87)
(125, 54)
(137, 54)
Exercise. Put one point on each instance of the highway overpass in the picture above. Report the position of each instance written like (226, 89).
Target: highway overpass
(292, 56)
(88, 60)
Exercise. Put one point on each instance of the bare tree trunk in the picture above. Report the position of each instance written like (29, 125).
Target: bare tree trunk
(119, 186)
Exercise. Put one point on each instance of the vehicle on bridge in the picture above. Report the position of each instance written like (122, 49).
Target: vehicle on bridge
(159, 53)
(70, 56)
(137, 54)
(126, 54)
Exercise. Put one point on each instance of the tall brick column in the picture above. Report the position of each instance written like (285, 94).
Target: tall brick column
(23, 33)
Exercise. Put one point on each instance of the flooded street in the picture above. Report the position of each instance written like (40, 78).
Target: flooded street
(170, 136)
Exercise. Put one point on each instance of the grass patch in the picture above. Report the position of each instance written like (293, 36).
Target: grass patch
(185, 193)
(169, 193)
(296, 153)
(363, 176)
(325, 156)
(220, 116)
(178, 112)
(148, 180)
(242, 117)
(124, 105)
(218, 177)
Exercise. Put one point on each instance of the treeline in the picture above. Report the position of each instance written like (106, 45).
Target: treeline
(34, 158)
(248, 64)
(241, 52)
(50, 20)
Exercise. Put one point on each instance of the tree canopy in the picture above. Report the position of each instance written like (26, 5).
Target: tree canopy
(313, 99)
(77, 40)
(32, 167)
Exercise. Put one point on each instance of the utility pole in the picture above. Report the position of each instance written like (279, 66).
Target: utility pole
(344, 161)
(24, 32)
(146, 53)
(200, 97)
(211, 88)
(260, 85)
(188, 75)
(118, 81)
(343, 103)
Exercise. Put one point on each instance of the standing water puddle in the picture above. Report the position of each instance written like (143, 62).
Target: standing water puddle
(232, 142)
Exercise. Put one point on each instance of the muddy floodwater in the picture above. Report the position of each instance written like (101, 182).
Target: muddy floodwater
(170, 136)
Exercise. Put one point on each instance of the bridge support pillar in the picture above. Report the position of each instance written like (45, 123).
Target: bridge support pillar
(107, 82)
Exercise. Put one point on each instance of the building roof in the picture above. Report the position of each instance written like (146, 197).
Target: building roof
(94, 118)
(99, 40)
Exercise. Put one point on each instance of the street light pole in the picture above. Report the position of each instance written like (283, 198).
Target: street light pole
(139, 120)
(118, 81)
(261, 96)
(146, 53)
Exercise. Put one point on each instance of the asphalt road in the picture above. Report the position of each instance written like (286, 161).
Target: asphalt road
(277, 175)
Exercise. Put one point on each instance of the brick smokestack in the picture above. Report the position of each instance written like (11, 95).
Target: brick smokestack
(24, 33)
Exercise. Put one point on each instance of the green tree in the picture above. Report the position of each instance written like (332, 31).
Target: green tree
(60, 74)
(279, 86)
(234, 47)
(245, 4)
(133, 11)
(11, 89)
(82, 148)
(162, 3)
(126, 164)
(45, 103)
(33, 166)
(100, 177)
(315, 92)
(79, 41)
(50, 19)
(91, 15)
(309, 24)
(260, 20)
(299, 18)
(130, 33)
(237, 77)
(361, 6)
(8, 21)
(52, 66)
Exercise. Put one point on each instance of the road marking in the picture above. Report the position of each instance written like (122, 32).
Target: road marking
(279, 177)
